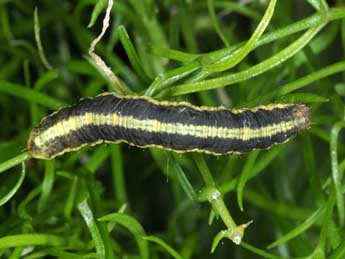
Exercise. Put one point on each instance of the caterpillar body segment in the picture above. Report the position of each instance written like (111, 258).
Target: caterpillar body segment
(180, 127)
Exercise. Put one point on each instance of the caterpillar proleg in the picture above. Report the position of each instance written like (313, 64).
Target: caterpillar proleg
(180, 127)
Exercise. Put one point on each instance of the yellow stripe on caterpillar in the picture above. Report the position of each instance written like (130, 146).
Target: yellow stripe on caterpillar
(181, 127)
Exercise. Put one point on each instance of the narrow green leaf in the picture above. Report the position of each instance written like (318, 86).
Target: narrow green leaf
(171, 76)
(187, 26)
(71, 198)
(6, 24)
(260, 252)
(131, 53)
(47, 185)
(336, 176)
(119, 183)
(260, 165)
(47, 77)
(299, 229)
(326, 221)
(265, 159)
(219, 237)
(147, 16)
(62, 254)
(319, 5)
(39, 42)
(302, 98)
(13, 161)
(245, 175)
(243, 52)
(307, 23)
(173, 54)
(133, 226)
(212, 12)
(32, 240)
(100, 234)
(239, 8)
(301, 82)
(284, 210)
(98, 8)
(164, 245)
(23, 205)
(339, 253)
(30, 95)
(17, 252)
(88, 217)
(182, 178)
(251, 72)
(15, 188)
(96, 159)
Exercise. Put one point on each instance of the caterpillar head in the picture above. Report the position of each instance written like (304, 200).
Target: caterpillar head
(302, 116)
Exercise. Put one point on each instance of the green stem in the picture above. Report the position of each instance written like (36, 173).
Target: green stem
(215, 198)
(171, 77)
(213, 16)
(203, 169)
(39, 42)
(253, 71)
(337, 177)
(300, 83)
(316, 19)
(234, 232)
(237, 57)
(14, 161)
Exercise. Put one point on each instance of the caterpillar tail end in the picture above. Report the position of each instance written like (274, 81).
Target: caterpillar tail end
(33, 146)
(302, 117)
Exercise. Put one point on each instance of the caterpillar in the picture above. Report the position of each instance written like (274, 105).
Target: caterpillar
(176, 126)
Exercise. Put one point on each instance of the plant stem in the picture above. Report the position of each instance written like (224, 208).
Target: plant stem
(234, 232)
(14, 161)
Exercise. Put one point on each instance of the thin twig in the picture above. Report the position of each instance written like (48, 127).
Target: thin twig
(39, 42)
(97, 59)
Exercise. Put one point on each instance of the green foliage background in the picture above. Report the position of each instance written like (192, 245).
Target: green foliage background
(116, 201)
